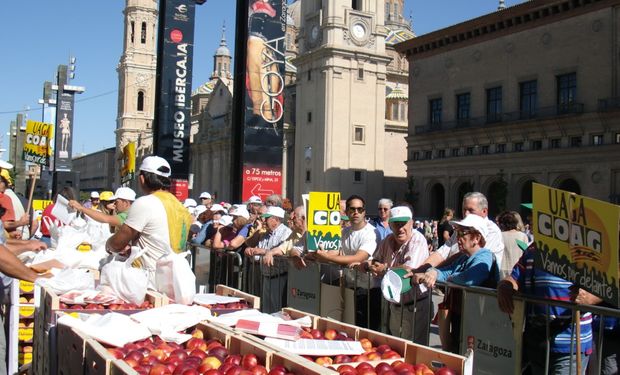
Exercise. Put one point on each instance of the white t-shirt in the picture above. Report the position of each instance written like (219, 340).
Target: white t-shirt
(494, 242)
(363, 239)
(148, 216)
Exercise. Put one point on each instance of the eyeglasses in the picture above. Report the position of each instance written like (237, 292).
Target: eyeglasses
(383, 209)
(463, 233)
(359, 210)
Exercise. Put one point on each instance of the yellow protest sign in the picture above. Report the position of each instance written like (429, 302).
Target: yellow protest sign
(37, 142)
(128, 167)
(577, 239)
(323, 218)
(38, 205)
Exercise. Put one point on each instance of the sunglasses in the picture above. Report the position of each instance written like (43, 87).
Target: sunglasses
(463, 233)
(359, 210)
(383, 209)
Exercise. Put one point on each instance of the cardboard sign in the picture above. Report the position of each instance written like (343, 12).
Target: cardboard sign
(323, 217)
(577, 239)
(128, 166)
(37, 142)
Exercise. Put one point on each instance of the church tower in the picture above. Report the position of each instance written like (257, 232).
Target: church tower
(222, 59)
(136, 79)
(340, 101)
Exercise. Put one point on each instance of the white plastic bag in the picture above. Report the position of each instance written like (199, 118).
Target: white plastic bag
(70, 237)
(175, 279)
(127, 282)
(69, 279)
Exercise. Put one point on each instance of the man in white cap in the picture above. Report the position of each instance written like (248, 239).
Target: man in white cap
(200, 219)
(273, 296)
(190, 204)
(123, 198)
(156, 221)
(94, 200)
(404, 248)
(208, 229)
(206, 199)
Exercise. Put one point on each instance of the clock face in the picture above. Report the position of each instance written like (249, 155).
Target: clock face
(359, 30)
(314, 33)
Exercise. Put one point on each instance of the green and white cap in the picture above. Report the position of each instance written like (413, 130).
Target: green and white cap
(400, 214)
(393, 285)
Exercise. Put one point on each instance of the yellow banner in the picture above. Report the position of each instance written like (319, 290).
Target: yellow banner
(323, 218)
(577, 239)
(128, 167)
(38, 205)
(37, 143)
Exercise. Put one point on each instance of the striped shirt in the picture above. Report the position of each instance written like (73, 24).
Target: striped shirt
(539, 283)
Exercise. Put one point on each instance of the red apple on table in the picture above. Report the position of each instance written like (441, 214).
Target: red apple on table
(340, 358)
(390, 354)
(234, 359)
(330, 334)
(445, 371)
(258, 370)
(383, 367)
(278, 370)
(148, 361)
(346, 369)
(305, 335)
(196, 343)
(249, 360)
(234, 370)
(383, 348)
(316, 334)
(341, 337)
(136, 355)
(179, 354)
(159, 354)
(116, 353)
(160, 369)
(131, 362)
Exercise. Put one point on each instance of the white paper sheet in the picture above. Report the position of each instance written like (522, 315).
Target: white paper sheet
(112, 328)
(212, 299)
(169, 319)
(318, 347)
(61, 210)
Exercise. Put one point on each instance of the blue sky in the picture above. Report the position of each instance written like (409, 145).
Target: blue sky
(38, 35)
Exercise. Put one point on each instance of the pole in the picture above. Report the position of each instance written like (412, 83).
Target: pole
(33, 182)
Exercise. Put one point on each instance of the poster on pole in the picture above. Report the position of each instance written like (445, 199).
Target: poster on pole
(323, 218)
(577, 240)
(37, 148)
(64, 131)
(128, 165)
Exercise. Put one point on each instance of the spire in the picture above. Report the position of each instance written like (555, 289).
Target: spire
(223, 41)
(502, 5)
(223, 48)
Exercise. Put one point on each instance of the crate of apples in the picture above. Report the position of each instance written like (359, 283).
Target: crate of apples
(223, 308)
(396, 367)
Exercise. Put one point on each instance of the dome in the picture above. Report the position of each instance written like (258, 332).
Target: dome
(223, 50)
(398, 34)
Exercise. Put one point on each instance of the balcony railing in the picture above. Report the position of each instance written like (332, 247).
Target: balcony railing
(609, 104)
(504, 118)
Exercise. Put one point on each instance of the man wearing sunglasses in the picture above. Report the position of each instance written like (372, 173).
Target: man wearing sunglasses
(358, 243)
(382, 227)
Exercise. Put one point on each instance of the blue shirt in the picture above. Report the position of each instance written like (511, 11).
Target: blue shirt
(206, 232)
(540, 283)
(470, 270)
(381, 231)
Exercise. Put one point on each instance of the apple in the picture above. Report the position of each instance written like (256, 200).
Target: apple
(383, 367)
(366, 344)
(165, 348)
(211, 363)
(159, 354)
(174, 361)
(390, 354)
(131, 362)
(341, 337)
(148, 361)
(116, 353)
(178, 353)
(445, 371)
(373, 356)
(234, 359)
(213, 343)
(196, 353)
(160, 369)
(316, 334)
(330, 334)
(196, 343)
(342, 359)
(324, 361)
(219, 351)
(197, 334)
(364, 366)
(346, 369)
(258, 370)
(142, 370)
(135, 355)
(305, 335)
(383, 348)
(213, 372)
(234, 370)
(359, 358)
(277, 370)
(366, 372)
(248, 361)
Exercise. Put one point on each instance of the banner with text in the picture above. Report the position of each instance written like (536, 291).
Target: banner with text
(128, 165)
(37, 148)
(175, 53)
(323, 218)
(63, 144)
(577, 239)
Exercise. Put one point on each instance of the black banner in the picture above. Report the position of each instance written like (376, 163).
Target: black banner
(63, 144)
(259, 97)
(174, 84)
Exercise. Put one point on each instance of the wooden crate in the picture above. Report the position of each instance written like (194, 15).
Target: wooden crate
(97, 360)
(323, 324)
(435, 358)
(397, 344)
(297, 314)
(297, 364)
(223, 290)
(71, 356)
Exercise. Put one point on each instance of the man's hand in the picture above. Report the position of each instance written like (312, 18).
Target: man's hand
(377, 268)
(24, 220)
(325, 255)
(582, 297)
(298, 262)
(76, 205)
(427, 278)
(268, 259)
(35, 245)
(505, 294)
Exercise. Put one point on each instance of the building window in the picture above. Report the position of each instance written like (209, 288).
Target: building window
(537, 145)
(518, 147)
(358, 134)
(555, 143)
(455, 152)
(529, 98)
(132, 30)
(484, 150)
(416, 155)
(140, 104)
(403, 112)
(357, 176)
(428, 155)
(435, 111)
(463, 102)
(308, 175)
(494, 104)
(597, 139)
(575, 141)
(309, 75)
(394, 115)
(387, 11)
(309, 117)
(441, 154)
(360, 73)
(567, 91)
(500, 148)
(356, 4)
(143, 33)
(469, 151)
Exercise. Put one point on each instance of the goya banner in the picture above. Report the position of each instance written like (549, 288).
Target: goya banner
(577, 239)
(37, 147)
(323, 218)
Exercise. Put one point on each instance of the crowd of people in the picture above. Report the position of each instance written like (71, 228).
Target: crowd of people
(270, 234)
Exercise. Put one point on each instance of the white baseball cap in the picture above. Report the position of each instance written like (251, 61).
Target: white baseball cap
(476, 222)
(205, 195)
(94, 194)
(199, 209)
(274, 211)
(157, 165)
(189, 202)
(5, 165)
(217, 207)
(255, 199)
(400, 214)
(240, 211)
(124, 193)
(225, 220)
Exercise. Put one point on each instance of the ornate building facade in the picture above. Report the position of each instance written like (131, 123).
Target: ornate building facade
(526, 94)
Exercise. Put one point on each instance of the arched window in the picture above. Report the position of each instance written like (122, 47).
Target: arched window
(387, 11)
(403, 111)
(132, 31)
(143, 33)
(140, 104)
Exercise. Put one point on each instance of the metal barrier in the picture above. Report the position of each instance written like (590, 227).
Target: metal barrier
(223, 267)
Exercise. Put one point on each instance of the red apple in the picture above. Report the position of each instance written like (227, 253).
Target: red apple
(213, 372)
(178, 353)
(197, 353)
(234, 359)
(341, 337)
(196, 343)
(373, 356)
(131, 362)
(148, 361)
(324, 361)
(330, 334)
(390, 354)
(136, 355)
(142, 370)
(383, 367)
(219, 351)
(445, 371)
(213, 343)
(130, 346)
(258, 370)
(248, 361)
(364, 366)
(277, 370)
(198, 334)
(116, 353)
(316, 334)
(160, 369)
(305, 335)
(234, 370)
(346, 369)
(342, 359)
(383, 348)
(366, 344)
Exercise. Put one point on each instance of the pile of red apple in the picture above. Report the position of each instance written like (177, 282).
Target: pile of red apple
(394, 368)
(372, 352)
(112, 306)
(243, 304)
(197, 356)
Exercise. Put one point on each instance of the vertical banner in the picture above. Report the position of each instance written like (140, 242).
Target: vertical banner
(260, 105)
(174, 84)
(63, 144)
(577, 240)
(37, 148)
(128, 165)
(323, 217)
